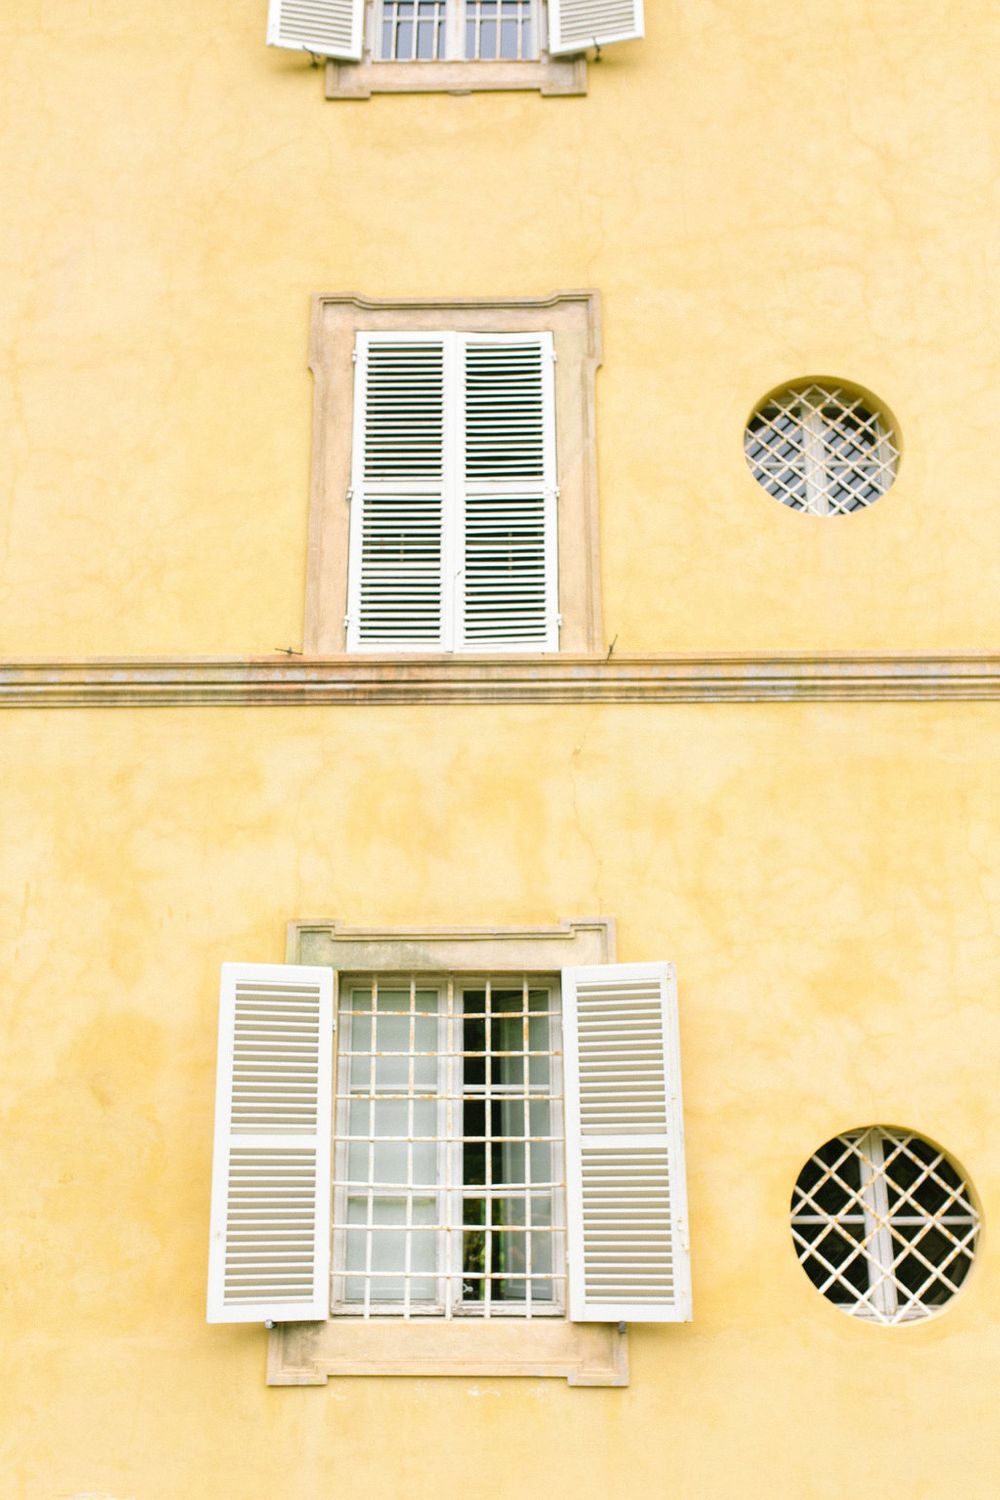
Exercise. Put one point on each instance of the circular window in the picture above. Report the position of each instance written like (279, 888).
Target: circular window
(884, 1225)
(821, 447)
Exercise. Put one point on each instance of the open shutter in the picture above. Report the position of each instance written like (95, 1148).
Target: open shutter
(576, 25)
(398, 490)
(626, 1198)
(508, 597)
(330, 28)
(269, 1255)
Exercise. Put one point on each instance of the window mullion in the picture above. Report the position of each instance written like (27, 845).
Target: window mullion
(875, 1201)
(551, 482)
(453, 501)
(817, 492)
(455, 30)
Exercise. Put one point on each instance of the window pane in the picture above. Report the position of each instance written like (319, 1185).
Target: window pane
(412, 30)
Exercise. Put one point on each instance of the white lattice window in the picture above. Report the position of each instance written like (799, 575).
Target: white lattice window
(469, 30)
(884, 1225)
(453, 494)
(449, 1168)
(822, 447)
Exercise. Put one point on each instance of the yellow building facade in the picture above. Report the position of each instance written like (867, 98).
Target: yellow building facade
(767, 757)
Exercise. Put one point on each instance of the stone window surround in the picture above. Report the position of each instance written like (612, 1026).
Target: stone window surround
(573, 318)
(552, 76)
(584, 1354)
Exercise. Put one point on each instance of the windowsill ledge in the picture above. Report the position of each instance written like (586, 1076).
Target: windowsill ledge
(583, 1354)
(549, 76)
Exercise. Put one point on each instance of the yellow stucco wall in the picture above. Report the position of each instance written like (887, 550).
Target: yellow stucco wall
(758, 192)
(831, 905)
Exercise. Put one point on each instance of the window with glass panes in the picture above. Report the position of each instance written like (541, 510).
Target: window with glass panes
(449, 1157)
(470, 30)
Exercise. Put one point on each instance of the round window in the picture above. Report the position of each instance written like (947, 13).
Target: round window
(884, 1225)
(821, 447)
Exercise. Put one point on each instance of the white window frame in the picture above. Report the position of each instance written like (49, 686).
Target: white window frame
(450, 1190)
(454, 487)
(582, 1353)
(455, 33)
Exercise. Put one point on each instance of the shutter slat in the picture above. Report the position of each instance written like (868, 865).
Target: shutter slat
(576, 25)
(626, 1199)
(330, 28)
(270, 1235)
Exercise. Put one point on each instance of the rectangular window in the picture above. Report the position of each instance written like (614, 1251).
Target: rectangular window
(469, 30)
(453, 520)
(449, 1160)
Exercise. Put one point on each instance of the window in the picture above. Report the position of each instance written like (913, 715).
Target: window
(884, 1225)
(504, 1146)
(822, 447)
(453, 527)
(448, 1173)
(452, 46)
(472, 30)
(461, 437)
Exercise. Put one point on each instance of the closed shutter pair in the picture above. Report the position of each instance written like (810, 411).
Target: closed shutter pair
(626, 1210)
(335, 28)
(453, 494)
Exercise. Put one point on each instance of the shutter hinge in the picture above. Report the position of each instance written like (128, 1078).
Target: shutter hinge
(349, 496)
(347, 621)
(557, 492)
(554, 357)
(559, 621)
(354, 356)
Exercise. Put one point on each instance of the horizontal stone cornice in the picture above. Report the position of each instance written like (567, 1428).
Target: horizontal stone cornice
(131, 682)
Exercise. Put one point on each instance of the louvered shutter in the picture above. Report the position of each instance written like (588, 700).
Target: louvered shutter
(453, 494)
(626, 1197)
(508, 595)
(269, 1255)
(576, 25)
(395, 598)
(330, 28)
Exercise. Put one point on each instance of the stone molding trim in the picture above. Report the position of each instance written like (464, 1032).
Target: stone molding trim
(554, 77)
(574, 320)
(584, 1354)
(438, 950)
(297, 681)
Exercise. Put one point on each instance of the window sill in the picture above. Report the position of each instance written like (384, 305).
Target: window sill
(549, 76)
(584, 1354)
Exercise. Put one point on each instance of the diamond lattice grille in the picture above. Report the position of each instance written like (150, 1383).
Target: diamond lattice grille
(884, 1225)
(821, 449)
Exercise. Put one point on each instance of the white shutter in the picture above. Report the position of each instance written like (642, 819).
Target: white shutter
(626, 1198)
(576, 25)
(395, 595)
(508, 597)
(330, 28)
(269, 1255)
